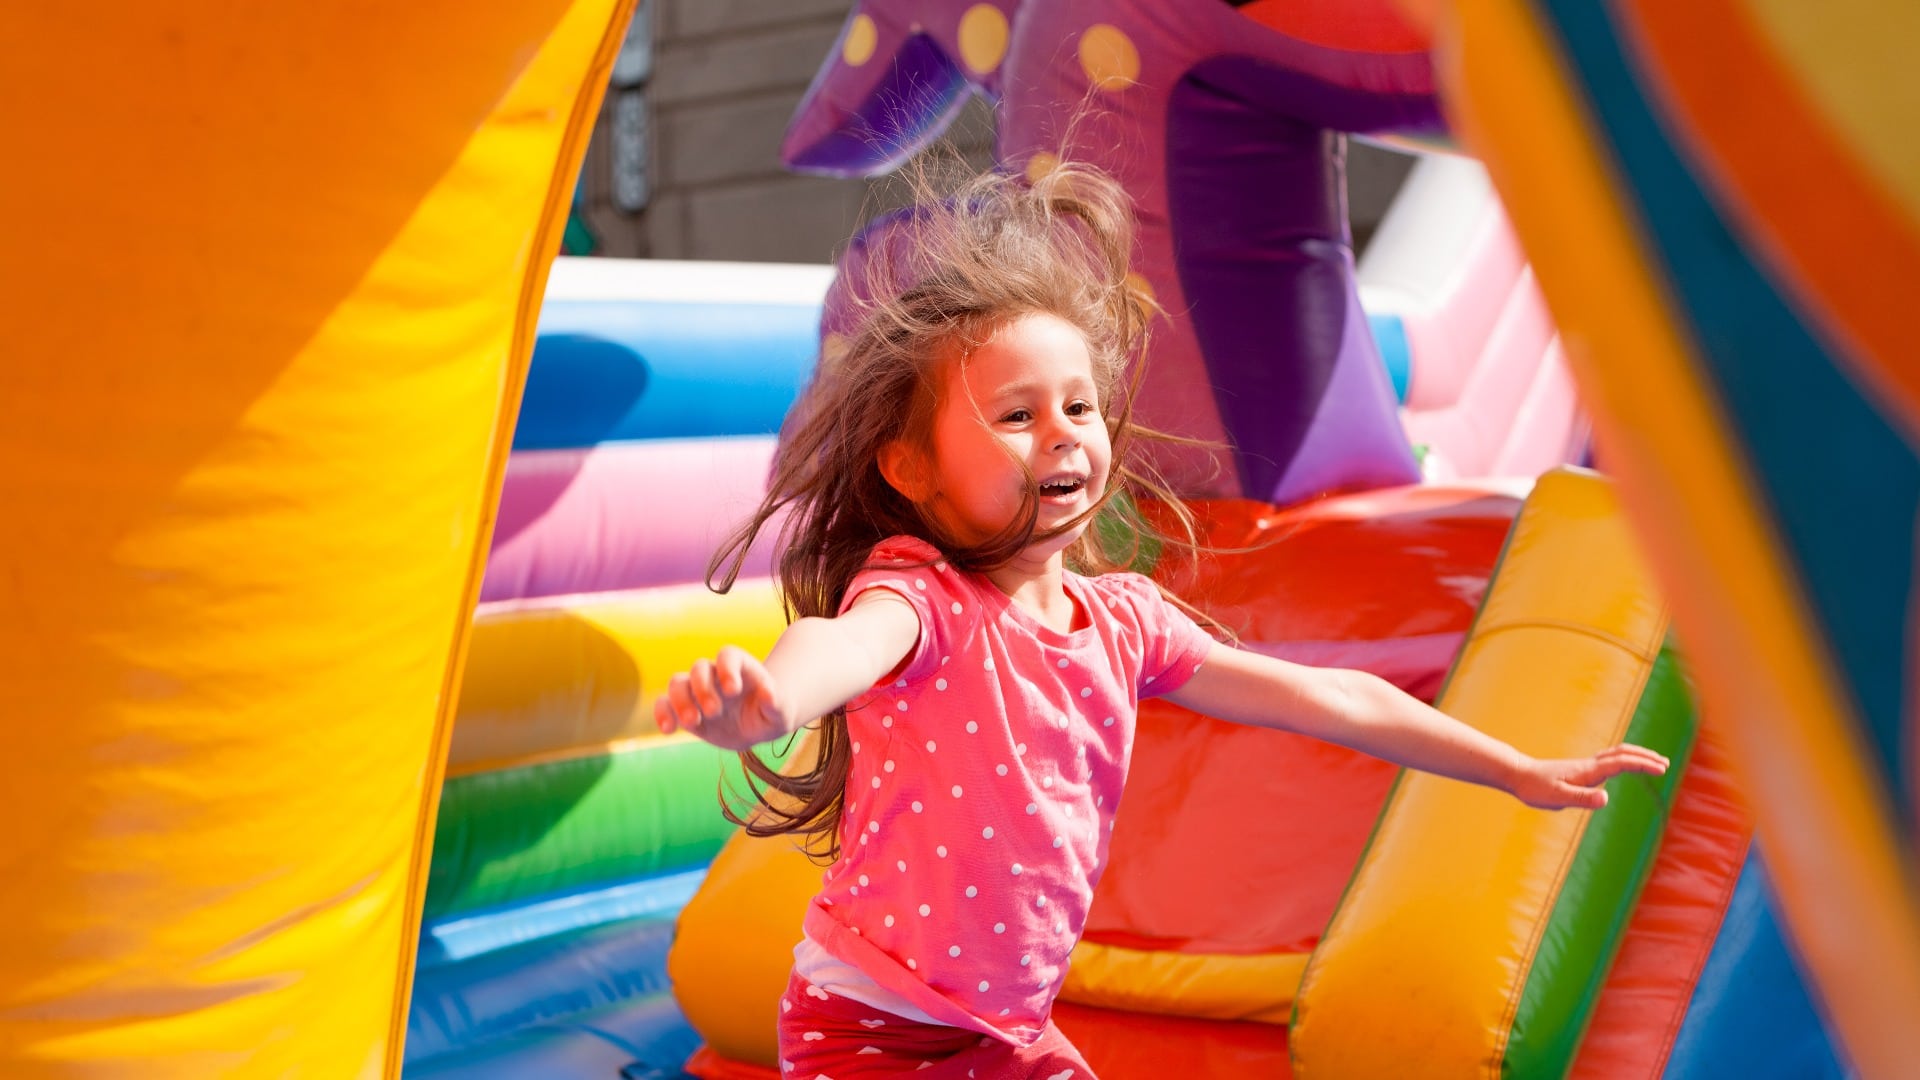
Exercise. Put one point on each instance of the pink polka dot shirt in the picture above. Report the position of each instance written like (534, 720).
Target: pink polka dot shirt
(984, 781)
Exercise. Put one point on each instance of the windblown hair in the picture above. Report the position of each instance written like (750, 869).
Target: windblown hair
(948, 275)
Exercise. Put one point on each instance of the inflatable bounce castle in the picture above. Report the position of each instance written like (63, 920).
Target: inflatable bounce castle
(349, 546)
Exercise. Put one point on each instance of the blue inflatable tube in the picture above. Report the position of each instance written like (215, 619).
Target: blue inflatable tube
(544, 989)
(642, 1039)
(1751, 1015)
(633, 349)
(639, 349)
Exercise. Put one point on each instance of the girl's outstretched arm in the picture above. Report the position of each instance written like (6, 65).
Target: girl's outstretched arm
(1369, 714)
(734, 701)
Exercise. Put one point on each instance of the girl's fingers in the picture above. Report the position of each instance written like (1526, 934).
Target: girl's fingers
(753, 675)
(1620, 759)
(726, 670)
(706, 699)
(756, 685)
(1590, 798)
(663, 717)
(1635, 758)
(679, 699)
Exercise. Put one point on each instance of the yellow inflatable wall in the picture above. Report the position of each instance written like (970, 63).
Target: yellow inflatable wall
(270, 287)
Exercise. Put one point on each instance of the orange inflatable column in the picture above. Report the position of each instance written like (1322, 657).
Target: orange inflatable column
(270, 286)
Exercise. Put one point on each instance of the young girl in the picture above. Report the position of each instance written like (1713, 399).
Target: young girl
(973, 671)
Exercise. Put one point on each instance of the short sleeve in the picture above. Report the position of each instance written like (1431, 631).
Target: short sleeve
(1175, 645)
(915, 571)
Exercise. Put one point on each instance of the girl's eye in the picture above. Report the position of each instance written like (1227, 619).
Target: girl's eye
(1017, 416)
(1080, 408)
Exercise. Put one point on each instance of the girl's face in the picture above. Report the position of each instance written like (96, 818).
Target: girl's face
(1025, 396)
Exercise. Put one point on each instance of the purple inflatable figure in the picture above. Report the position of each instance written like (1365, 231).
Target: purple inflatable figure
(1224, 123)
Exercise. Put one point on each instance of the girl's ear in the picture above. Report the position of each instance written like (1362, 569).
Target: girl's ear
(906, 471)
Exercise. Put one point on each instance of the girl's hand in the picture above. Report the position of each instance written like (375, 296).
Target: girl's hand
(730, 701)
(1576, 782)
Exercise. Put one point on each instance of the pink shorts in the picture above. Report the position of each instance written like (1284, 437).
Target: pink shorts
(827, 1037)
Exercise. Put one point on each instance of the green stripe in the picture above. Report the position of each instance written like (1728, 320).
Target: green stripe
(1602, 888)
(539, 830)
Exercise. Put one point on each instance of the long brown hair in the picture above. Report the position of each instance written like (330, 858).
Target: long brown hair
(919, 295)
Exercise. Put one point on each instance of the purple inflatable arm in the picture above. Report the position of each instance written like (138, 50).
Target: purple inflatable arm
(899, 74)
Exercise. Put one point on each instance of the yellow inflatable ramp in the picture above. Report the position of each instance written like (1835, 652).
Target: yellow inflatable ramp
(1477, 932)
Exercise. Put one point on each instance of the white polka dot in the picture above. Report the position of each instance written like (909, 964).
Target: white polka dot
(911, 966)
(1064, 721)
(1001, 769)
(886, 721)
(889, 920)
(940, 566)
(1058, 841)
(854, 889)
(944, 659)
(1046, 781)
(888, 766)
(1039, 901)
(1004, 1012)
(902, 704)
(1069, 809)
(953, 950)
(1060, 927)
(939, 684)
(941, 851)
(972, 891)
(855, 929)
(856, 748)
(873, 826)
(1025, 959)
(1108, 722)
(983, 986)
(956, 791)
(1150, 678)
(1086, 691)
(987, 833)
(901, 864)
(876, 781)
(917, 807)
(920, 583)
(973, 727)
(1098, 800)
(930, 747)
(1016, 869)
(863, 839)
(1033, 807)
(1021, 750)
(989, 663)
(901, 683)
(999, 928)
(956, 607)
(863, 879)
(925, 911)
(1063, 662)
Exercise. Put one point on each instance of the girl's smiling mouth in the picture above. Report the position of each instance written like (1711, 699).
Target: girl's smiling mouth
(1061, 486)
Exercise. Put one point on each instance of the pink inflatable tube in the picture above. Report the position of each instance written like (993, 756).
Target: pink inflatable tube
(623, 515)
(1489, 394)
